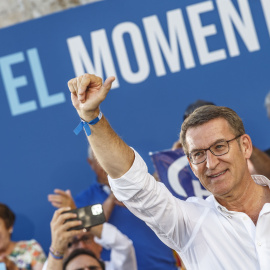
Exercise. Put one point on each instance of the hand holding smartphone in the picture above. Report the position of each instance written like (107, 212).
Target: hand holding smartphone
(91, 215)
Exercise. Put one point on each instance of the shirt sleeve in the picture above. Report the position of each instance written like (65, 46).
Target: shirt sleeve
(38, 254)
(122, 250)
(171, 219)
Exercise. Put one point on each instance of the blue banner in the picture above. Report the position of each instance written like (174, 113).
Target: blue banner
(164, 54)
(174, 171)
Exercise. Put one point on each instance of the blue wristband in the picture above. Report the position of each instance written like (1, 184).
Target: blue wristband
(55, 254)
(85, 125)
(56, 257)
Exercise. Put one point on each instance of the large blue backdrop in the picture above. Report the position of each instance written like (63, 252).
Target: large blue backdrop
(165, 55)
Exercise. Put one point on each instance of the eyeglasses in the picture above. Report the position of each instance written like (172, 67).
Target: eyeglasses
(86, 239)
(218, 149)
(90, 267)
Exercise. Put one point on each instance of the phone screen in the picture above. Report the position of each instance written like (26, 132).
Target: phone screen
(2, 266)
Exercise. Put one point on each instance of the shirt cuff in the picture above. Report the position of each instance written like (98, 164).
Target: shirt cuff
(132, 181)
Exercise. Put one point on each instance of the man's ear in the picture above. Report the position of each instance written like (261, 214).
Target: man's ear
(246, 145)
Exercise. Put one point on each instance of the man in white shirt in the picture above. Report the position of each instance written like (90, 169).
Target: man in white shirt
(228, 230)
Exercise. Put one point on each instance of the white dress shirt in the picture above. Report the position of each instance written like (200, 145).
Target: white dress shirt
(204, 233)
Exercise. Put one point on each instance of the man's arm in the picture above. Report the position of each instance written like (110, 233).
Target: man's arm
(87, 93)
(260, 162)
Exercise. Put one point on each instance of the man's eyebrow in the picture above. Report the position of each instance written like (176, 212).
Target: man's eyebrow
(217, 141)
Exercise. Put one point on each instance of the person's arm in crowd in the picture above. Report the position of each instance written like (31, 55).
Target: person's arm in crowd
(260, 162)
(87, 93)
(62, 198)
(61, 237)
(122, 251)
(109, 205)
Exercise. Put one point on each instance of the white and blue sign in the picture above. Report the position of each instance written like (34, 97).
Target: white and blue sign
(164, 54)
(174, 171)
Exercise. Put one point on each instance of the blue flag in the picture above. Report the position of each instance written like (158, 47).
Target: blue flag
(174, 171)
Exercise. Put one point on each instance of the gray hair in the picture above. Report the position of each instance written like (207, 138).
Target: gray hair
(206, 113)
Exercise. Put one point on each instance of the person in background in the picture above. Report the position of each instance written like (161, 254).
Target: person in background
(26, 255)
(83, 259)
(65, 242)
(151, 253)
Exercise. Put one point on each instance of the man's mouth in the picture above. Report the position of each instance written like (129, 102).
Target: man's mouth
(218, 174)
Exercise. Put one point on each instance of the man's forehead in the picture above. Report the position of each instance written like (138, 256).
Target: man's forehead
(208, 133)
(83, 236)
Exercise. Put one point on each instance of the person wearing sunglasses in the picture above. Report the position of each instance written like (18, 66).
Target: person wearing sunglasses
(228, 230)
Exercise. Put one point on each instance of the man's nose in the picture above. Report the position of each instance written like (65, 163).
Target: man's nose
(211, 160)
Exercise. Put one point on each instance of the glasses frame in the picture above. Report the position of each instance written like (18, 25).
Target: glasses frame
(189, 155)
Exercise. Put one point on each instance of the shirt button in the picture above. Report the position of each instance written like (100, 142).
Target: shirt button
(259, 244)
(229, 216)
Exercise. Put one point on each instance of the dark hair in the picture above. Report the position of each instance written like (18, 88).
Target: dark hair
(206, 113)
(193, 106)
(82, 251)
(7, 215)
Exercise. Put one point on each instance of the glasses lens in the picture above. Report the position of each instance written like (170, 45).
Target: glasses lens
(220, 148)
(197, 156)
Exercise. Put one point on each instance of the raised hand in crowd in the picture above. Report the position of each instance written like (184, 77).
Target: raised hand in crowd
(60, 236)
(62, 198)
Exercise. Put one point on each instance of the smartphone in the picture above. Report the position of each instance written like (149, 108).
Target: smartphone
(91, 215)
(2, 266)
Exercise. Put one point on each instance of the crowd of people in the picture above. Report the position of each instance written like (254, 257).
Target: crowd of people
(147, 228)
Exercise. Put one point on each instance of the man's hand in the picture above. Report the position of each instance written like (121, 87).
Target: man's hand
(61, 198)
(59, 229)
(87, 92)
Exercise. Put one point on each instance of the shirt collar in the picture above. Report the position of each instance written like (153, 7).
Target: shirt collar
(258, 179)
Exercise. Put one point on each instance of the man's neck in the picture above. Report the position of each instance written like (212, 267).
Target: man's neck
(250, 200)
